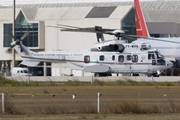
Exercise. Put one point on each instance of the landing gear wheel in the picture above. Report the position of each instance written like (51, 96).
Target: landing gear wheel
(155, 75)
(96, 74)
(109, 74)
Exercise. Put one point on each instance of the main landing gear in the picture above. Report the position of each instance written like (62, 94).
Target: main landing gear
(102, 74)
(154, 75)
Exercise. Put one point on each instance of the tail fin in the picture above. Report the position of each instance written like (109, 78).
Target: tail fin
(22, 50)
(141, 28)
(26, 54)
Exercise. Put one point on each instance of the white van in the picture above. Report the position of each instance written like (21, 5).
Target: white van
(18, 71)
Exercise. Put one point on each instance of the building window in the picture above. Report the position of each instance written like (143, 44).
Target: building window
(101, 58)
(134, 58)
(128, 57)
(87, 59)
(21, 27)
(121, 58)
(129, 24)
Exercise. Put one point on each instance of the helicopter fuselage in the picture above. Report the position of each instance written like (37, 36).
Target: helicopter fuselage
(105, 62)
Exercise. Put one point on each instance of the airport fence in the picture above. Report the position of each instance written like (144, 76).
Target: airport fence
(35, 104)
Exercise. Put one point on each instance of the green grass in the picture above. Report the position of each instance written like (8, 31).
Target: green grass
(45, 91)
(4, 82)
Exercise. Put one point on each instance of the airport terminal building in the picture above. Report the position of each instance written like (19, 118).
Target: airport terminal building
(162, 17)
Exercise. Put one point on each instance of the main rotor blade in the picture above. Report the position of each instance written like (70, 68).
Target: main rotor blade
(96, 29)
(9, 49)
(87, 28)
(24, 35)
(76, 29)
(131, 38)
(69, 26)
(156, 39)
(136, 36)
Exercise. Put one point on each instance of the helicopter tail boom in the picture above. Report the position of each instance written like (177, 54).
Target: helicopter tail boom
(25, 53)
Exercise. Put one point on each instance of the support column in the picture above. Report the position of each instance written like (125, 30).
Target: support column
(7, 69)
(2, 66)
(45, 69)
(165, 72)
(3, 103)
(172, 71)
(13, 39)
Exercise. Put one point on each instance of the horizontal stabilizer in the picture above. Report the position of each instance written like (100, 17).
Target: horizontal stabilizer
(29, 63)
(97, 68)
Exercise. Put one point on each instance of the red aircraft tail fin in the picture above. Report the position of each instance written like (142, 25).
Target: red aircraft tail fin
(141, 28)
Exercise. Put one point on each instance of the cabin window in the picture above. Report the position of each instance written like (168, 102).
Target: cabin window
(121, 58)
(151, 56)
(153, 62)
(134, 58)
(113, 57)
(128, 57)
(101, 58)
(87, 59)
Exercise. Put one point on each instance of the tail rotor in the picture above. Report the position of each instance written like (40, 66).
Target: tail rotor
(17, 41)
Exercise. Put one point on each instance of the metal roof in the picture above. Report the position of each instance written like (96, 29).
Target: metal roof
(63, 13)
(146, 4)
(154, 11)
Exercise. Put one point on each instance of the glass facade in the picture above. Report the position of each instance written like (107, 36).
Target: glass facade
(129, 24)
(21, 27)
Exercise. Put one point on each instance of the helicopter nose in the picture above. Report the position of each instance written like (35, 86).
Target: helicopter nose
(169, 63)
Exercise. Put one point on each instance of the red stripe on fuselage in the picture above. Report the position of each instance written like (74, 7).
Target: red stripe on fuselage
(171, 55)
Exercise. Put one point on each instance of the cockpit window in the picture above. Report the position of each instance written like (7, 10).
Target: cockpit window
(161, 62)
(158, 55)
(87, 59)
(151, 56)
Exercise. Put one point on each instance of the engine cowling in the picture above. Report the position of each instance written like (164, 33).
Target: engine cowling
(145, 46)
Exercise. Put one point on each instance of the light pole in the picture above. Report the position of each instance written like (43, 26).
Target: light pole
(13, 39)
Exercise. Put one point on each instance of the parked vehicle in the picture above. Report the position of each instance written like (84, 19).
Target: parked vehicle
(18, 71)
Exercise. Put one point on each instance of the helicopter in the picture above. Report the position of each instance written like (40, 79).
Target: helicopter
(105, 58)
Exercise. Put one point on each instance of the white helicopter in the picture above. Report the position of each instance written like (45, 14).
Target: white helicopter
(113, 56)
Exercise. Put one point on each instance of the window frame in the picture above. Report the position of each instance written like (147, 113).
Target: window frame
(119, 58)
(151, 56)
(134, 59)
(86, 59)
(113, 58)
(101, 58)
(128, 56)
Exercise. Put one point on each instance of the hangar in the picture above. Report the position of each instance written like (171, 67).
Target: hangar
(162, 19)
